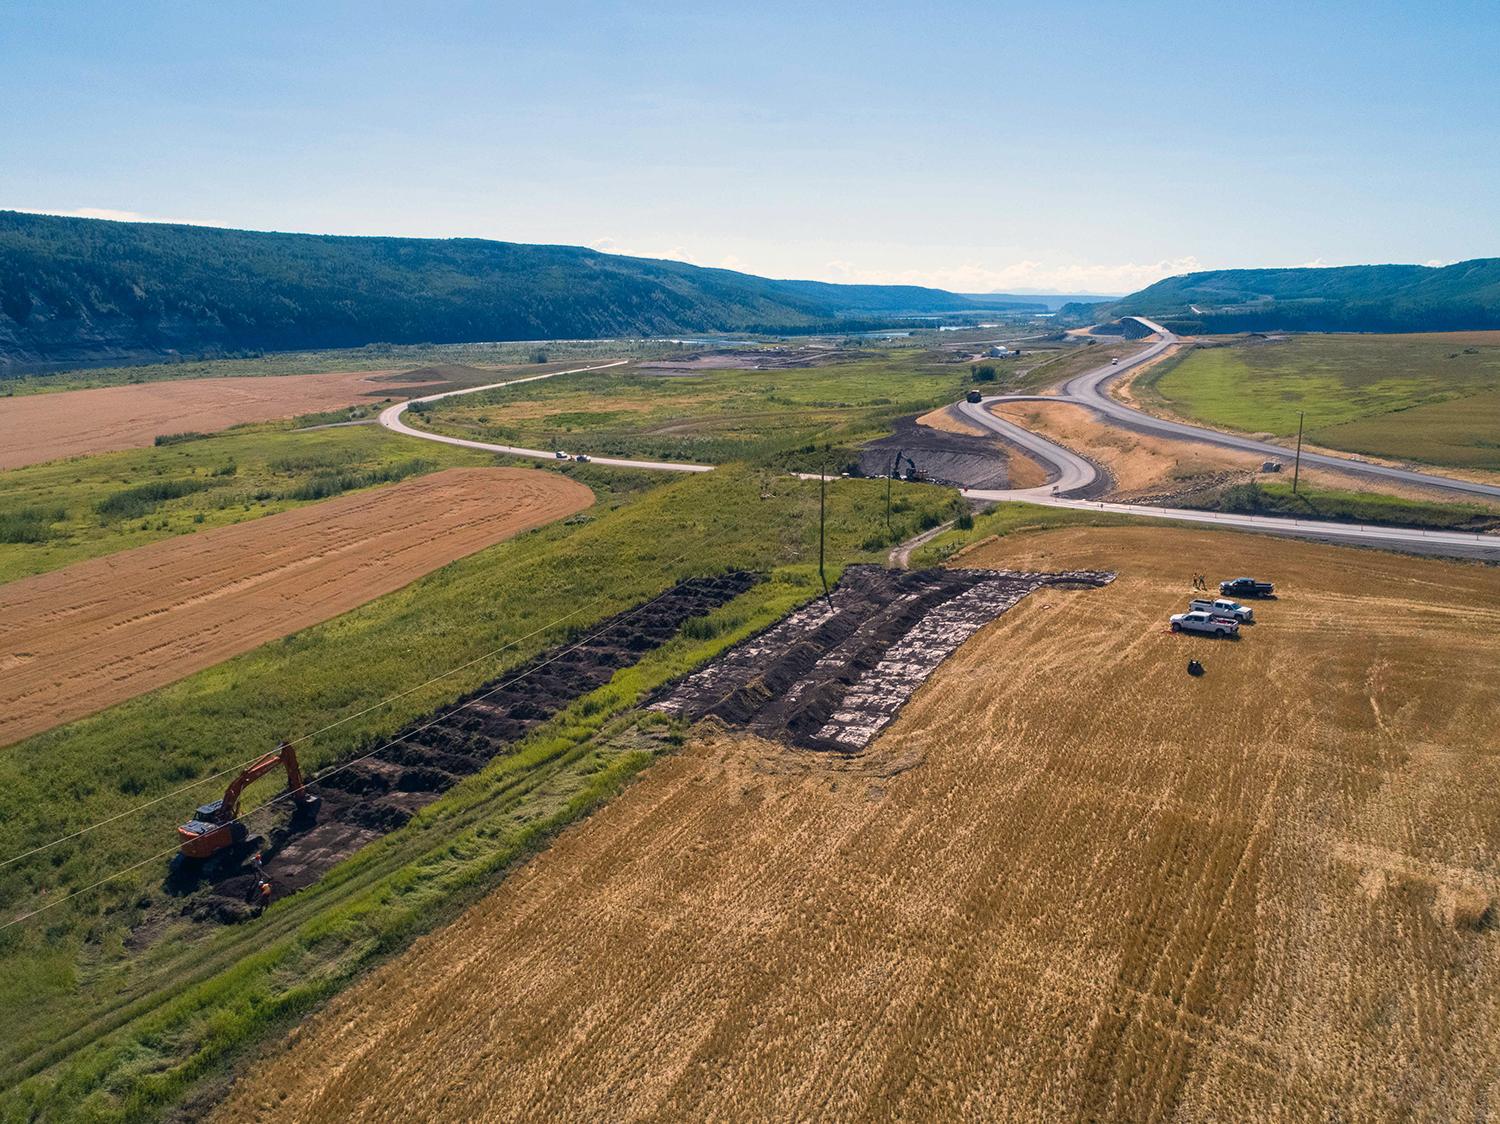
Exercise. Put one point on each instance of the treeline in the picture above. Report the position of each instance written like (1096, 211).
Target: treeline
(1369, 298)
(82, 288)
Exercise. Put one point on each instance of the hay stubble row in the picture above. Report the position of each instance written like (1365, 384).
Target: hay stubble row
(42, 427)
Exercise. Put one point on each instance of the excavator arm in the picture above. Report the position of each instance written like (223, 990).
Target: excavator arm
(216, 826)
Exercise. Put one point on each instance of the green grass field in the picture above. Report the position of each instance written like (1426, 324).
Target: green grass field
(130, 1029)
(1347, 507)
(62, 512)
(789, 418)
(1429, 398)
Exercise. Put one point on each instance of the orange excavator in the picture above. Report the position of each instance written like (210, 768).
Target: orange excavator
(215, 827)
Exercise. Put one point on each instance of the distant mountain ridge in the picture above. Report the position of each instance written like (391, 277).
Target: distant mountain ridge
(1356, 298)
(78, 289)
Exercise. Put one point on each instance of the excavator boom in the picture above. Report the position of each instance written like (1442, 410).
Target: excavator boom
(216, 826)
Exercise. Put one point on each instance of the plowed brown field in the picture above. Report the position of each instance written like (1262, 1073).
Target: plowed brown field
(1070, 882)
(79, 639)
(44, 427)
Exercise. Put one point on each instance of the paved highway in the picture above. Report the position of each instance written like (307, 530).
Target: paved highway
(1070, 472)
(390, 417)
(1448, 544)
(1091, 389)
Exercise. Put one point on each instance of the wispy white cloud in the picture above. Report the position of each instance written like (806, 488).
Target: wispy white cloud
(673, 253)
(1083, 277)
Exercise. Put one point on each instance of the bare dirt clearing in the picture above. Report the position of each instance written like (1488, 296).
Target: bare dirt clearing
(943, 456)
(750, 359)
(1140, 466)
(1018, 469)
(1069, 882)
(43, 427)
(1147, 468)
(77, 640)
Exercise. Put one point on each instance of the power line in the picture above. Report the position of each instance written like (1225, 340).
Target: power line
(301, 738)
(353, 761)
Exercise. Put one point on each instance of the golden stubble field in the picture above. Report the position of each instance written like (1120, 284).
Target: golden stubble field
(43, 427)
(1069, 882)
(76, 640)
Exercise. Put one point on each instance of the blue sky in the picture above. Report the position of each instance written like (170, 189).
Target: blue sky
(977, 146)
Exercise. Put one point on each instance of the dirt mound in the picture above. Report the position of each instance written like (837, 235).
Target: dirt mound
(108, 629)
(962, 460)
(836, 672)
(376, 794)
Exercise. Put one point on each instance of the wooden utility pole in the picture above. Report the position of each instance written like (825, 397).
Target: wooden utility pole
(895, 468)
(822, 489)
(1297, 464)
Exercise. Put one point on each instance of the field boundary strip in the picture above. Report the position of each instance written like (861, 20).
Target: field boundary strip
(280, 797)
(302, 738)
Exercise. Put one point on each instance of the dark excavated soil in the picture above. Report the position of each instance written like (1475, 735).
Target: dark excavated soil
(835, 673)
(962, 460)
(373, 795)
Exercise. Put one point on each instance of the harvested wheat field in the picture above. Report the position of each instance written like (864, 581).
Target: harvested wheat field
(77, 640)
(1069, 882)
(45, 427)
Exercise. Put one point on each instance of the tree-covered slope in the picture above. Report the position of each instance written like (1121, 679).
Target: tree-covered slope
(1360, 298)
(80, 288)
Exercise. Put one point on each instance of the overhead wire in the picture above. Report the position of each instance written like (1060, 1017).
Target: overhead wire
(302, 738)
(355, 760)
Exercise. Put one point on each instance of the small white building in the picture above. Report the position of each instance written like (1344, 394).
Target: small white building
(999, 351)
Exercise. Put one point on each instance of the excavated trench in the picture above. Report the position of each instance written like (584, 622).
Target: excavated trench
(835, 673)
(376, 794)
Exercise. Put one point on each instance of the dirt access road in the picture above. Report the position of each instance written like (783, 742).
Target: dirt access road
(77, 640)
(45, 427)
(1040, 895)
(390, 417)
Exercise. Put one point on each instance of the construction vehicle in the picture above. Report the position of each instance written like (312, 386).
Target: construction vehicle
(216, 826)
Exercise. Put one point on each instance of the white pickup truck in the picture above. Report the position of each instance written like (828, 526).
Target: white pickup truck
(1205, 623)
(1223, 607)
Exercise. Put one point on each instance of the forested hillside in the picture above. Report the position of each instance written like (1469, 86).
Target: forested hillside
(73, 289)
(1360, 298)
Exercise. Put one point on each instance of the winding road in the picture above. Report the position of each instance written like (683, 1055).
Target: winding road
(390, 417)
(1091, 390)
(1071, 473)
